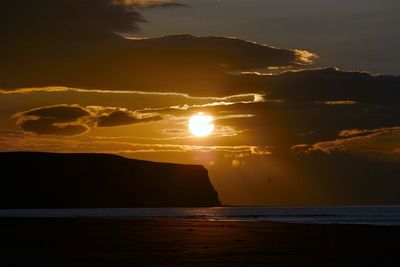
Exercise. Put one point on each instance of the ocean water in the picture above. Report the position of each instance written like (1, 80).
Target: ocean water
(369, 215)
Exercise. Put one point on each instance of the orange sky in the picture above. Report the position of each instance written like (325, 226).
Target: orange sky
(302, 134)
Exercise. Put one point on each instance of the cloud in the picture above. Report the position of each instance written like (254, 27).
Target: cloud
(53, 120)
(124, 117)
(121, 64)
(52, 127)
(147, 3)
(302, 107)
(236, 163)
(309, 107)
(66, 19)
(326, 85)
(96, 56)
(253, 97)
(71, 120)
(338, 102)
(85, 143)
(61, 113)
(164, 148)
(382, 140)
(284, 124)
(226, 101)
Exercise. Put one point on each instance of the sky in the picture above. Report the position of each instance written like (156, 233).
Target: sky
(304, 94)
(360, 35)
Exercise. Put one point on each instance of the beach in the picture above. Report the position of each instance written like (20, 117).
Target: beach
(181, 242)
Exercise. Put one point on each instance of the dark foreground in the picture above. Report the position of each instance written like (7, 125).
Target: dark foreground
(128, 242)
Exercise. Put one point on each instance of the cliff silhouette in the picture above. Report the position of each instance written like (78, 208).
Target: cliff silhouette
(52, 180)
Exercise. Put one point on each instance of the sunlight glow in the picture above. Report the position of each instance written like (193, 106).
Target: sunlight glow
(201, 125)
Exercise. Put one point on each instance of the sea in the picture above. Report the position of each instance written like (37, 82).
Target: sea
(367, 215)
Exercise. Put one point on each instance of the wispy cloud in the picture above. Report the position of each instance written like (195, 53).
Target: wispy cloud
(72, 120)
(147, 3)
(10, 140)
(253, 97)
(338, 102)
(383, 140)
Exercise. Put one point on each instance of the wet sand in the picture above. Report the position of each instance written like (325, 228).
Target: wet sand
(131, 242)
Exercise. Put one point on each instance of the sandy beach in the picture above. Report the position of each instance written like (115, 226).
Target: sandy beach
(132, 242)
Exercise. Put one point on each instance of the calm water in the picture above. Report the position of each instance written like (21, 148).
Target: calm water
(373, 215)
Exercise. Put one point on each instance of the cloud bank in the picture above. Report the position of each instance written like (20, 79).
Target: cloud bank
(70, 120)
(96, 56)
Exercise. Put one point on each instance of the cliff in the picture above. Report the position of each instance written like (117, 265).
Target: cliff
(50, 180)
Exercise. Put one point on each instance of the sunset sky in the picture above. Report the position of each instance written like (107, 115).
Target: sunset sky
(304, 95)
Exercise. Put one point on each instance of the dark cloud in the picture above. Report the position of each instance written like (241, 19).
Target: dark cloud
(123, 117)
(221, 52)
(334, 85)
(46, 20)
(184, 63)
(283, 124)
(58, 39)
(61, 113)
(53, 127)
(318, 104)
(54, 120)
(314, 106)
(381, 140)
(77, 44)
(323, 85)
(75, 120)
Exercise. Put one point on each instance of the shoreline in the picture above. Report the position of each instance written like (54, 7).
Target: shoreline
(179, 242)
(342, 215)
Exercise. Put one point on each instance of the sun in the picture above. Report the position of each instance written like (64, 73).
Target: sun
(201, 125)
